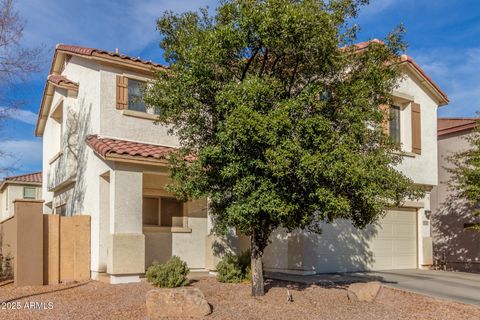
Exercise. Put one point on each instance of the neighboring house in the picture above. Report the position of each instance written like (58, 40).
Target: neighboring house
(25, 186)
(103, 156)
(454, 245)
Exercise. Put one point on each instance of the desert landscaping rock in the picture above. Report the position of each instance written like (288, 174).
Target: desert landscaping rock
(366, 292)
(94, 300)
(180, 303)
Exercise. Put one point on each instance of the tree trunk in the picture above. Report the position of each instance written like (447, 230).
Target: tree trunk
(257, 269)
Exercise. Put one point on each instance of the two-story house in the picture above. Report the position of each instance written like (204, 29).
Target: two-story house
(103, 156)
(26, 186)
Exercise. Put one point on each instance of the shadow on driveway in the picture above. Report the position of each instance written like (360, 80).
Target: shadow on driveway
(457, 286)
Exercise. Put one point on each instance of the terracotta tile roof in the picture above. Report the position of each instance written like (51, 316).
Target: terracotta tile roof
(451, 125)
(35, 177)
(107, 146)
(59, 80)
(84, 51)
(363, 45)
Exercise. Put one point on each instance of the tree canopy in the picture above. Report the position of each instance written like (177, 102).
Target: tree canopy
(280, 111)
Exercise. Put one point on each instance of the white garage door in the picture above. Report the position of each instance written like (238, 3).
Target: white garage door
(395, 244)
(389, 244)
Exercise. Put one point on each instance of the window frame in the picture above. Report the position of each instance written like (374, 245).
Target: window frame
(34, 191)
(148, 111)
(398, 137)
(162, 228)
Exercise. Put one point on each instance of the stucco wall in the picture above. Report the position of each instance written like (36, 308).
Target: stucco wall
(80, 118)
(420, 168)
(459, 247)
(115, 124)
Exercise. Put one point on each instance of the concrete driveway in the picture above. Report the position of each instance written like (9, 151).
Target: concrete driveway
(457, 286)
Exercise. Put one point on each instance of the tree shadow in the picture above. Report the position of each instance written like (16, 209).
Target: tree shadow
(341, 247)
(44, 292)
(327, 281)
(455, 247)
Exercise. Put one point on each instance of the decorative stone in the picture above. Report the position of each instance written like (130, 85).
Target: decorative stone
(363, 291)
(180, 303)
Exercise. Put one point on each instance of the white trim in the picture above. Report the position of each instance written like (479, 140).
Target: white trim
(139, 114)
(402, 97)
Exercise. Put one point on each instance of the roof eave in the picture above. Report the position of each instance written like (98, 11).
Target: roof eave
(106, 58)
(5, 183)
(442, 98)
(457, 129)
(110, 156)
(55, 68)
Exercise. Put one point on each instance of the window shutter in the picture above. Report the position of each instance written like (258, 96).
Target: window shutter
(122, 92)
(416, 129)
(386, 121)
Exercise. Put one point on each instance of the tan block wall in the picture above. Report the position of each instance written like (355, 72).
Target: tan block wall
(66, 248)
(51, 249)
(28, 267)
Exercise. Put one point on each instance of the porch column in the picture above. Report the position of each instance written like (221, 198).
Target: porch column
(126, 249)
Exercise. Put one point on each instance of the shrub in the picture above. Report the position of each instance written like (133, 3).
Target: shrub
(6, 268)
(234, 269)
(171, 274)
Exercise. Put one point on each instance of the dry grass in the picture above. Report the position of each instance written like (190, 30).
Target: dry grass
(96, 300)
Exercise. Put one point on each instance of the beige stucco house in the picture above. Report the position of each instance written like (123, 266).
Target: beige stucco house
(25, 186)
(455, 246)
(103, 156)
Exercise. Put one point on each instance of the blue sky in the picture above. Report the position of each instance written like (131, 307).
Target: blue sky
(443, 37)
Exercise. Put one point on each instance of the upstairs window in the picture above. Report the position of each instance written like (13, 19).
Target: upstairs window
(394, 123)
(130, 95)
(135, 95)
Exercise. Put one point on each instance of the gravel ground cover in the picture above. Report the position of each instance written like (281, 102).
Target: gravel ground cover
(97, 300)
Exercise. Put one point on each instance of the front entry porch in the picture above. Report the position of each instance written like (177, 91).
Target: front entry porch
(140, 222)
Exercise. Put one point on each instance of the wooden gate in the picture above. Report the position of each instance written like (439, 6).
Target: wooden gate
(66, 243)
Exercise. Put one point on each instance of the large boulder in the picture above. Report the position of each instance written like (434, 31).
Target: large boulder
(181, 303)
(363, 291)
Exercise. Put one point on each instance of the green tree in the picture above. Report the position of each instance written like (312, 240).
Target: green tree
(278, 114)
(466, 173)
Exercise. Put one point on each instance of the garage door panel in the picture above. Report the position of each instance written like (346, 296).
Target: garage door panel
(382, 247)
(403, 231)
(404, 261)
(384, 231)
(405, 246)
(403, 216)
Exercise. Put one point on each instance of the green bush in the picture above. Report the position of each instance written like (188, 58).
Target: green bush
(171, 274)
(234, 269)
